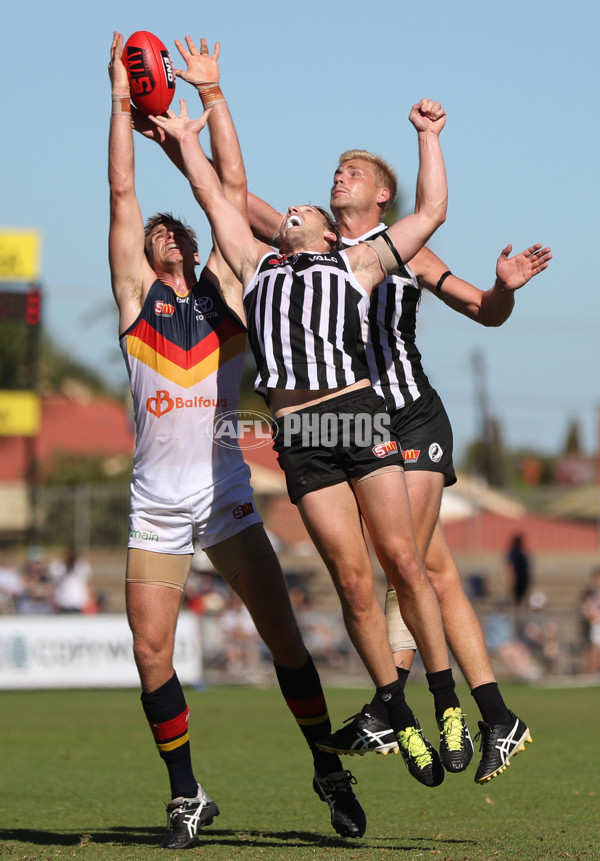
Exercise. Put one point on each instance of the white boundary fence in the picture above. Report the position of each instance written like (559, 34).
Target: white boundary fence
(84, 652)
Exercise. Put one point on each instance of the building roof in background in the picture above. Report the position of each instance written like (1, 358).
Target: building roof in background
(580, 504)
(489, 532)
(470, 495)
(476, 517)
(86, 426)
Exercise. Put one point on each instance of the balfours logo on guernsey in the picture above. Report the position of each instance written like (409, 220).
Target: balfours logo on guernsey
(254, 428)
(243, 510)
(162, 403)
(163, 309)
(411, 455)
(385, 448)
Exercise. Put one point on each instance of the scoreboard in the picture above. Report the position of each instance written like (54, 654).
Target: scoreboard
(21, 305)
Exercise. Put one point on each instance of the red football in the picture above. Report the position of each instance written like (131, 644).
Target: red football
(150, 70)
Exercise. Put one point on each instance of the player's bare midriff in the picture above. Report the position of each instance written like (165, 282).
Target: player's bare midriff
(282, 401)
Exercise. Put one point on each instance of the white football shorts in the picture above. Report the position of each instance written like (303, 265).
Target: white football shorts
(210, 516)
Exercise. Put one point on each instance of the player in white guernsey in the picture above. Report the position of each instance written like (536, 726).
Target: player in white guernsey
(304, 308)
(364, 189)
(184, 352)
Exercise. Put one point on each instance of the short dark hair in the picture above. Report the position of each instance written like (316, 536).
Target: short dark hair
(332, 225)
(167, 218)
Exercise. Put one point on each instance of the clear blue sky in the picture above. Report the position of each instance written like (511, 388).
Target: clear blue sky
(305, 81)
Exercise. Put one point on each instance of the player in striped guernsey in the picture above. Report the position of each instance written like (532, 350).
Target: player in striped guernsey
(306, 338)
(364, 189)
(184, 351)
(304, 310)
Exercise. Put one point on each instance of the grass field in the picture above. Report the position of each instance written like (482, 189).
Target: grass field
(80, 778)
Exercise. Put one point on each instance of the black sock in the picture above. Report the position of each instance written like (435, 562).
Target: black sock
(490, 703)
(304, 696)
(399, 713)
(403, 676)
(441, 685)
(168, 716)
(377, 707)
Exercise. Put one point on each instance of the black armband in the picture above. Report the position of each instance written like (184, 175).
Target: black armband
(438, 286)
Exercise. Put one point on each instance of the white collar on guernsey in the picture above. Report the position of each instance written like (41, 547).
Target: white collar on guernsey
(348, 242)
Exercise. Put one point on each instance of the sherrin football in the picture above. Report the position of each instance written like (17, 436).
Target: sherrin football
(150, 71)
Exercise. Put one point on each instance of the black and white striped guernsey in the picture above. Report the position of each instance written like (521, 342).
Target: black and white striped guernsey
(389, 335)
(304, 316)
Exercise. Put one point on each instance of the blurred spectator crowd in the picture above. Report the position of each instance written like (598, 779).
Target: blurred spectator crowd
(231, 644)
(524, 637)
(41, 586)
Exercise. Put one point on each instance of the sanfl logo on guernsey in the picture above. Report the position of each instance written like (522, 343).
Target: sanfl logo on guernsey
(160, 404)
(163, 309)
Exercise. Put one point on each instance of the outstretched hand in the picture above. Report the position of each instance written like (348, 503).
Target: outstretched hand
(182, 126)
(144, 125)
(202, 67)
(116, 68)
(428, 116)
(516, 271)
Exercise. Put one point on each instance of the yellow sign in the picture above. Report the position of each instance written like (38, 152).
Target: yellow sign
(20, 255)
(20, 413)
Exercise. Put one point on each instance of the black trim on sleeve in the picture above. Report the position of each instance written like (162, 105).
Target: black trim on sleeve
(393, 249)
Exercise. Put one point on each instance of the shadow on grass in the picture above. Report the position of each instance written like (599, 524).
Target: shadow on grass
(126, 836)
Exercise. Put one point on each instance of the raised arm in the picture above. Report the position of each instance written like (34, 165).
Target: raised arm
(131, 274)
(406, 237)
(489, 307)
(431, 201)
(230, 228)
(265, 220)
(203, 73)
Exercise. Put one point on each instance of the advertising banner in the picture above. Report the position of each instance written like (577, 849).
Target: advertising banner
(20, 252)
(73, 651)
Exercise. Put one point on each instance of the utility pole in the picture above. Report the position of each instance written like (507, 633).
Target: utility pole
(485, 428)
